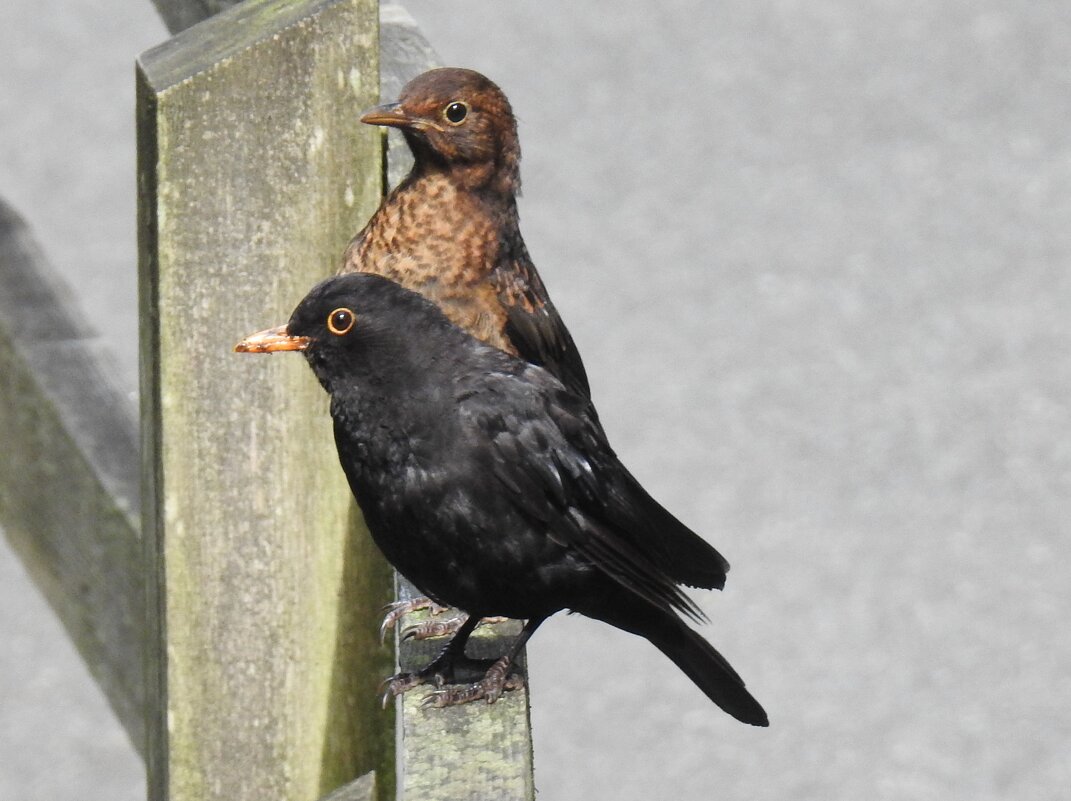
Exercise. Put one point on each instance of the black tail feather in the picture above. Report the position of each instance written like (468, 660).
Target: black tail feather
(700, 662)
(710, 671)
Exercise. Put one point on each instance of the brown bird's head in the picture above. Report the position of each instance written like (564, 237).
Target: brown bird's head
(457, 121)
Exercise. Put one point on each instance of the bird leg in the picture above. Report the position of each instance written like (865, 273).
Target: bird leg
(495, 681)
(425, 629)
(442, 669)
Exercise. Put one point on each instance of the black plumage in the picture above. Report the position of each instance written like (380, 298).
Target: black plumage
(490, 485)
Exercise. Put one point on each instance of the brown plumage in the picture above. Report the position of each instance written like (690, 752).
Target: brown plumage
(450, 230)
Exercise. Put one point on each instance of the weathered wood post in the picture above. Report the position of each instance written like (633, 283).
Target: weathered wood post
(253, 174)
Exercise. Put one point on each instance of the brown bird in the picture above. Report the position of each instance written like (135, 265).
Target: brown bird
(450, 230)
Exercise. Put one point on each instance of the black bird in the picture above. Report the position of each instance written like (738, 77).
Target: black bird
(489, 485)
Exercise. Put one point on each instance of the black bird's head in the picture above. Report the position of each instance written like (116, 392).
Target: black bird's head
(460, 122)
(361, 328)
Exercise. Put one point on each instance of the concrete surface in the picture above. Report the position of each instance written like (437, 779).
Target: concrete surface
(816, 257)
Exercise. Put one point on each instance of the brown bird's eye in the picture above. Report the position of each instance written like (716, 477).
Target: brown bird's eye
(340, 321)
(456, 112)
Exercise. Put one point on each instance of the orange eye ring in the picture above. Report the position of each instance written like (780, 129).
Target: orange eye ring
(340, 322)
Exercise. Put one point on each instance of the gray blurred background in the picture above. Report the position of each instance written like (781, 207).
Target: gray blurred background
(815, 255)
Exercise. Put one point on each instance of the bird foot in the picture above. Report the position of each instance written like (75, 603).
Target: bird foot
(399, 609)
(426, 629)
(497, 680)
(453, 675)
(400, 683)
(444, 669)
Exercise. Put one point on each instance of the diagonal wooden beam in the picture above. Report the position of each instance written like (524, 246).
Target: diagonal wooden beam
(69, 472)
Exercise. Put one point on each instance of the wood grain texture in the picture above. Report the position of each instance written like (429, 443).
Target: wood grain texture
(69, 499)
(265, 588)
(441, 762)
(463, 753)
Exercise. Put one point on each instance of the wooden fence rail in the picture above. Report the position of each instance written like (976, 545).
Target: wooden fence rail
(69, 475)
(261, 587)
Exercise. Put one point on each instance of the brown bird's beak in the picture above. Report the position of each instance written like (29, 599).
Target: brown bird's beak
(270, 341)
(389, 114)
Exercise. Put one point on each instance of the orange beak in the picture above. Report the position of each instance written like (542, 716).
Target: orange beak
(270, 341)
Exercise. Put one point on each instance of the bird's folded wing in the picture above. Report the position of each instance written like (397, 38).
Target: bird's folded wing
(616, 498)
(535, 328)
(558, 471)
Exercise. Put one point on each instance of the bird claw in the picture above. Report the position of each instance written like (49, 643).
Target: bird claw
(393, 686)
(426, 629)
(490, 688)
(451, 696)
(398, 609)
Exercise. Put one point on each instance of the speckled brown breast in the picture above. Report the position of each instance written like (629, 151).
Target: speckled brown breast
(442, 243)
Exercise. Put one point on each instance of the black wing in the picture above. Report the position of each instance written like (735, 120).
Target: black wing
(555, 464)
(534, 326)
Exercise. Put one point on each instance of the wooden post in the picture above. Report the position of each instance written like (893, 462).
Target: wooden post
(266, 591)
(470, 752)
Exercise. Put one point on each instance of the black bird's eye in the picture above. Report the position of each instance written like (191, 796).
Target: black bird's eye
(456, 112)
(340, 321)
